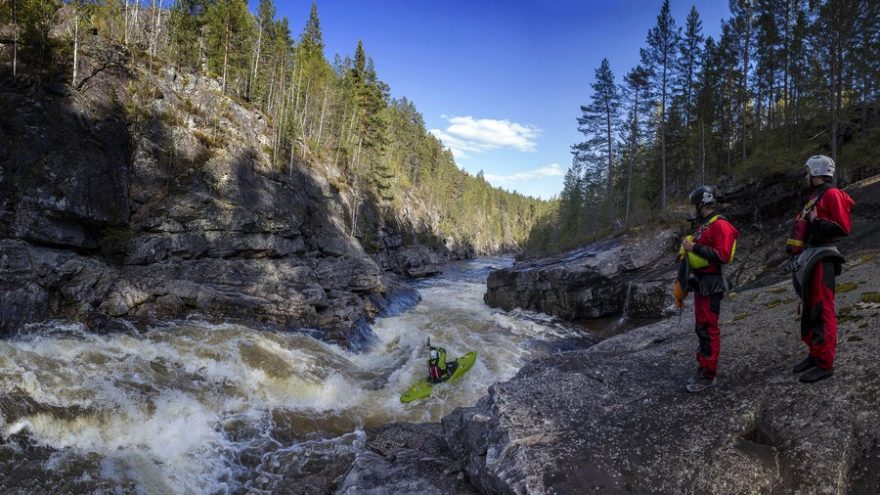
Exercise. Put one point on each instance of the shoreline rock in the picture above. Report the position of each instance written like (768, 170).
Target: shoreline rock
(630, 274)
(615, 418)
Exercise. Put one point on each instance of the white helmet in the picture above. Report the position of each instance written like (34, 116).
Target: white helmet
(434, 354)
(820, 166)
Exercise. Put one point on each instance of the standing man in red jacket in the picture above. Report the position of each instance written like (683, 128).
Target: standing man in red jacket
(712, 245)
(823, 220)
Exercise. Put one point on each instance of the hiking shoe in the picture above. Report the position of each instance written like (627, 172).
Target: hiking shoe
(809, 362)
(700, 384)
(696, 376)
(816, 374)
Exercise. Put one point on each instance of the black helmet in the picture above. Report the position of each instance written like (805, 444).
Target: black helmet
(703, 196)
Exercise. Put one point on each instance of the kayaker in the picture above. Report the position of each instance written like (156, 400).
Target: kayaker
(437, 367)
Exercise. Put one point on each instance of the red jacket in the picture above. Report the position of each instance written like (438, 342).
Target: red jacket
(715, 243)
(833, 219)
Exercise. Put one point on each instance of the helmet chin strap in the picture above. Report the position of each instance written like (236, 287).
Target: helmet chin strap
(700, 215)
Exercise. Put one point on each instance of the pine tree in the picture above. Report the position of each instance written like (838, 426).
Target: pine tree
(636, 88)
(835, 25)
(312, 40)
(82, 11)
(658, 58)
(229, 26)
(571, 200)
(599, 121)
(185, 23)
(742, 23)
(690, 51)
(265, 25)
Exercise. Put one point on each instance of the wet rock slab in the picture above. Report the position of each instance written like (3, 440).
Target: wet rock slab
(615, 418)
(406, 458)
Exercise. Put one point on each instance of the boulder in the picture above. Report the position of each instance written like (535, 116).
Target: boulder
(405, 458)
(593, 281)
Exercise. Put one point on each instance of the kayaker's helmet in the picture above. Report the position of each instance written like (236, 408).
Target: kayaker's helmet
(434, 355)
(820, 166)
(703, 196)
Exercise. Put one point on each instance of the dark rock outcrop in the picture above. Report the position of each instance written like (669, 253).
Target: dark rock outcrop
(628, 274)
(405, 458)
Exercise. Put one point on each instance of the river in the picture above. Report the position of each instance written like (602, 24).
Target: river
(191, 407)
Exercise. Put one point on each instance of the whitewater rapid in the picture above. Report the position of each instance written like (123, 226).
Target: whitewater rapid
(190, 407)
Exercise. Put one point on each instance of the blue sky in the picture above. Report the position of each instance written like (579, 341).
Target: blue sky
(499, 82)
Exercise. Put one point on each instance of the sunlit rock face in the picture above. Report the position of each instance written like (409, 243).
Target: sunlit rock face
(147, 197)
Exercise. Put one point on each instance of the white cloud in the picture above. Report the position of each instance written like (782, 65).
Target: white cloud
(552, 170)
(467, 134)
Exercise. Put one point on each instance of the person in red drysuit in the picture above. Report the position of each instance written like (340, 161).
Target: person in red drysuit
(827, 214)
(713, 245)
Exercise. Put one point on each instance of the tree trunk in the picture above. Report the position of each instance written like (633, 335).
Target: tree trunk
(158, 27)
(125, 25)
(76, 17)
(226, 54)
(632, 157)
(610, 150)
(253, 80)
(745, 81)
(702, 150)
(663, 144)
(323, 109)
(355, 189)
(339, 140)
(305, 116)
(836, 75)
(785, 79)
(14, 40)
(297, 85)
(137, 9)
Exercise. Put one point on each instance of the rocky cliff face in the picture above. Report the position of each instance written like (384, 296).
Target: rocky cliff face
(146, 197)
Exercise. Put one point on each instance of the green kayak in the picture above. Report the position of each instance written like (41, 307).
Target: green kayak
(422, 389)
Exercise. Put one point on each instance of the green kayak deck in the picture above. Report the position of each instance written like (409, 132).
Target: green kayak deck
(423, 388)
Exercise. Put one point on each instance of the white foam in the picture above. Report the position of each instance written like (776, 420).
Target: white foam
(155, 407)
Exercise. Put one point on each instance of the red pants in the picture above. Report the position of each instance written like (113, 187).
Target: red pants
(818, 322)
(706, 309)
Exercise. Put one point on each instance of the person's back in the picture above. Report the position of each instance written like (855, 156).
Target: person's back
(437, 367)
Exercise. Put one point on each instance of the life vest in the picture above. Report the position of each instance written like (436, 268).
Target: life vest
(807, 260)
(437, 366)
(696, 262)
(795, 243)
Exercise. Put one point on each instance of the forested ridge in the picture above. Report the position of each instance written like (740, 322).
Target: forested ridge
(339, 113)
(785, 79)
